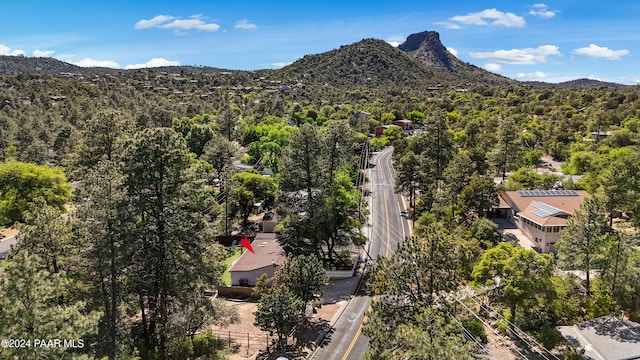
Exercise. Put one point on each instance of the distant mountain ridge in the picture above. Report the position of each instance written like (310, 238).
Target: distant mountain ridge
(15, 65)
(421, 61)
(575, 84)
(370, 63)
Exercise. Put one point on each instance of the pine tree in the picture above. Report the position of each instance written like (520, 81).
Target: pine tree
(31, 308)
(170, 242)
(583, 240)
(278, 313)
(409, 285)
(46, 233)
(304, 276)
(506, 150)
(103, 226)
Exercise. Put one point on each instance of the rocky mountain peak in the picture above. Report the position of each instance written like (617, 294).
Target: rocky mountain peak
(427, 48)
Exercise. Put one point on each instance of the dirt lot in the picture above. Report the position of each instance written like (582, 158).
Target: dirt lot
(497, 347)
(244, 333)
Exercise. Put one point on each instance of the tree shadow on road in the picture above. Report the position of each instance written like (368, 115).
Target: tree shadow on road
(302, 343)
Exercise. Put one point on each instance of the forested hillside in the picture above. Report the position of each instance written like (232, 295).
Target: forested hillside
(120, 181)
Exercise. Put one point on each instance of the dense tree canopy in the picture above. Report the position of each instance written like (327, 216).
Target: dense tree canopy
(22, 183)
(142, 197)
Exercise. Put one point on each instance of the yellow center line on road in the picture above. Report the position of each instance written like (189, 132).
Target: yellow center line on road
(353, 342)
(386, 209)
(357, 335)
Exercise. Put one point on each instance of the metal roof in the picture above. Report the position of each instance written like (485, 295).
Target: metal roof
(529, 193)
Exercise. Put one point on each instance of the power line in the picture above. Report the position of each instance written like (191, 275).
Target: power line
(519, 332)
(488, 325)
(479, 346)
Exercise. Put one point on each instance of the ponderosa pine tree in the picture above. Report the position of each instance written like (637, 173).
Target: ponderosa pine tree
(304, 276)
(507, 148)
(584, 239)
(170, 244)
(46, 234)
(31, 308)
(103, 226)
(409, 285)
(278, 313)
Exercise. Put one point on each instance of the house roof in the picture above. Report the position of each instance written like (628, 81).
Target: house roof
(606, 338)
(545, 214)
(567, 202)
(268, 252)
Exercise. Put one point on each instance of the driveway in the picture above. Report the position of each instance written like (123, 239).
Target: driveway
(508, 228)
(5, 246)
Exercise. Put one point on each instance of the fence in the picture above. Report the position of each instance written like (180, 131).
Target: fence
(235, 291)
(245, 343)
(343, 274)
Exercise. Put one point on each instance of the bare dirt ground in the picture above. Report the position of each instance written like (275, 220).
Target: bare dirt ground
(498, 348)
(8, 232)
(248, 341)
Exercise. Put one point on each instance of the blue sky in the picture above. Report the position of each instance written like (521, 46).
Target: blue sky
(549, 41)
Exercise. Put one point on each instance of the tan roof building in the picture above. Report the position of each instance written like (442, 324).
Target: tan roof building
(249, 266)
(541, 214)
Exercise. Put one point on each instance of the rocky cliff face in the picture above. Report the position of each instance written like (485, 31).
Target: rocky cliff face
(427, 48)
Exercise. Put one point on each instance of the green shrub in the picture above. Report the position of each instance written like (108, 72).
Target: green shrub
(475, 327)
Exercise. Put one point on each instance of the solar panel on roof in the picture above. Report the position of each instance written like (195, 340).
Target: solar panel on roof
(531, 193)
(545, 210)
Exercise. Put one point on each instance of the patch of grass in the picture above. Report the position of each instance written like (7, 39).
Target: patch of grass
(234, 254)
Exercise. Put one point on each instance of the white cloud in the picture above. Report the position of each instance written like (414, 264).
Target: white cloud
(395, 40)
(156, 21)
(453, 51)
(489, 17)
(244, 24)
(601, 52)
(43, 53)
(493, 67)
(525, 56)
(541, 10)
(449, 25)
(189, 24)
(534, 76)
(196, 22)
(88, 62)
(5, 50)
(278, 65)
(155, 62)
(65, 57)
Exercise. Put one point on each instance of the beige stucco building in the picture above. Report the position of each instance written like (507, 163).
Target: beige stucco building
(541, 214)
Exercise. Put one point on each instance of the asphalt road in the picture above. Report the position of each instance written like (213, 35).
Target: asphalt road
(5, 246)
(388, 227)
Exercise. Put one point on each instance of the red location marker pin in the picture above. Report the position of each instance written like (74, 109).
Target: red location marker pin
(246, 244)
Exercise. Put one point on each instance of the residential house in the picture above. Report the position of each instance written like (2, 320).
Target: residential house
(404, 124)
(541, 214)
(605, 338)
(267, 257)
(380, 129)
